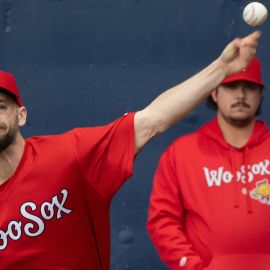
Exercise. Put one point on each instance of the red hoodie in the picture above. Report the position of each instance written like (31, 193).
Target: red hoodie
(210, 203)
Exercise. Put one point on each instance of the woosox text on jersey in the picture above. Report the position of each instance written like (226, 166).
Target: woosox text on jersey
(36, 226)
(245, 174)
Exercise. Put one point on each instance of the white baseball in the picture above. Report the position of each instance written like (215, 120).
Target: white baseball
(255, 13)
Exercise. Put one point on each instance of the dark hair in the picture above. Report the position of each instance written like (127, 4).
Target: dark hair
(213, 105)
(6, 92)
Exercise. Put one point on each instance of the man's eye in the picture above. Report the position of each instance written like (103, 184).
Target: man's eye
(231, 85)
(252, 87)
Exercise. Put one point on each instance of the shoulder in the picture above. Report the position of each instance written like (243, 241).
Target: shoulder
(183, 146)
(80, 131)
(51, 143)
(185, 141)
(195, 139)
(39, 139)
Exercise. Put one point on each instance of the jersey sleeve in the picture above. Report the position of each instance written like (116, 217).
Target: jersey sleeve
(106, 153)
(166, 220)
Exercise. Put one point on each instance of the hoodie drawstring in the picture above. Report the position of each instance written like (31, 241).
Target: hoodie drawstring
(247, 184)
(237, 182)
(236, 187)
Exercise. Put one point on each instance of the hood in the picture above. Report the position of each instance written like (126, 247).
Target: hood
(259, 134)
(213, 131)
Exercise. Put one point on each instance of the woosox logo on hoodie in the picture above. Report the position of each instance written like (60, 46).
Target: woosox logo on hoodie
(245, 174)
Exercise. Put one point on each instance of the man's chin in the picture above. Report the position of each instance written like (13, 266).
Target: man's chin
(241, 121)
(5, 142)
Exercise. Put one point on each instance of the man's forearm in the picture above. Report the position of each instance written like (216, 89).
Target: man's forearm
(177, 102)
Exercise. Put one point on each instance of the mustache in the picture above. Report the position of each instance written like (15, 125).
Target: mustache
(240, 104)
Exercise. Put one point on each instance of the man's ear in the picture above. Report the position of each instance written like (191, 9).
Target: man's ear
(22, 115)
(214, 95)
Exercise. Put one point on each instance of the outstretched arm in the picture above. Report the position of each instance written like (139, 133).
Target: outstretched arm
(177, 102)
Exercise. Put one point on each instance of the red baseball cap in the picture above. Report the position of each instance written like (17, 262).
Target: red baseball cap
(8, 84)
(252, 74)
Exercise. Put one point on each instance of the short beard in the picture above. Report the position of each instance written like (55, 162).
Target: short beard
(7, 140)
(239, 122)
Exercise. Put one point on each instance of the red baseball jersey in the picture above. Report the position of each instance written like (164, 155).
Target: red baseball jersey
(55, 207)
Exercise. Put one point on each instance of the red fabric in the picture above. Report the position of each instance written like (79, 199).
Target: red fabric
(55, 208)
(8, 82)
(210, 202)
(252, 73)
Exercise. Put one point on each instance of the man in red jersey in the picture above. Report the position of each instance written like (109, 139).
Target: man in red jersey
(55, 191)
(211, 193)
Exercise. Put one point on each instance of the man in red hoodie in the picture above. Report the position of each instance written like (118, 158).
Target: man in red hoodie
(55, 191)
(211, 194)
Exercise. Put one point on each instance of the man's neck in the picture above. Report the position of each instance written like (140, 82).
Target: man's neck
(10, 159)
(235, 135)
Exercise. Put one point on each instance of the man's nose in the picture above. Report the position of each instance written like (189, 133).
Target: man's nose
(240, 92)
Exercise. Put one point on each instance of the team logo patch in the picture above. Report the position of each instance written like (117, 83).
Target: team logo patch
(261, 192)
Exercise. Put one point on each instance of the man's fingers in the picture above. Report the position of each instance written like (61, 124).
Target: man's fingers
(252, 39)
(237, 42)
(256, 35)
(249, 45)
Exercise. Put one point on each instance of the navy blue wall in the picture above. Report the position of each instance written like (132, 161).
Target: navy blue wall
(86, 62)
